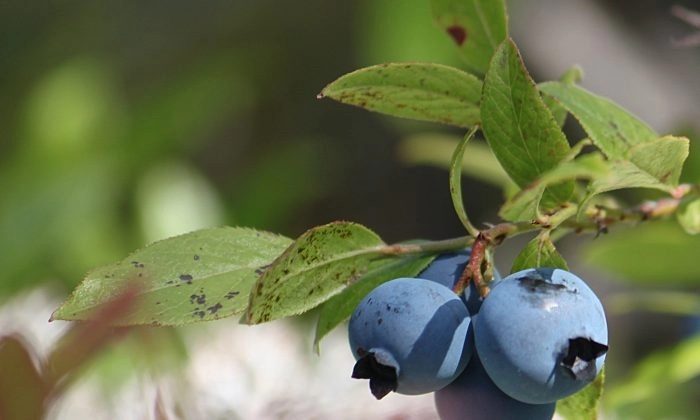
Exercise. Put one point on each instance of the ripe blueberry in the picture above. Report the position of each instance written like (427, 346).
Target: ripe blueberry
(474, 396)
(541, 335)
(408, 335)
(447, 268)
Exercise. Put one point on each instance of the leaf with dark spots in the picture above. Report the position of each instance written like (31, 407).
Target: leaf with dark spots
(475, 26)
(458, 34)
(342, 252)
(231, 295)
(215, 308)
(228, 258)
(421, 91)
(199, 299)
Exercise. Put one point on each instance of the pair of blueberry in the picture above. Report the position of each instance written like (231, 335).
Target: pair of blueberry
(539, 336)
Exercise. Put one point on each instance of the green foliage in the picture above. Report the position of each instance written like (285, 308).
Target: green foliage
(655, 164)
(525, 205)
(477, 27)
(518, 126)
(689, 216)
(639, 157)
(456, 182)
(613, 130)
(339, 307)
(551, 188)
(539, 252)
(584, 404)
(573, 75)
(198, 276)
(429, 92)
(315, 267)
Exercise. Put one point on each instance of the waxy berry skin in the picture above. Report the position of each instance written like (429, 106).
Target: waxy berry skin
(408, 335)
(541, 335)
(474, 396)
(448, 267)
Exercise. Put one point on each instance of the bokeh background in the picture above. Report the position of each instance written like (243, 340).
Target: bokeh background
(126, 122)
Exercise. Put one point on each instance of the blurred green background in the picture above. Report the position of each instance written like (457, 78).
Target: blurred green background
(126, 122)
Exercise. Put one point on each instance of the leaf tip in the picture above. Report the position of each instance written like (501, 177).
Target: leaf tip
(57, 315)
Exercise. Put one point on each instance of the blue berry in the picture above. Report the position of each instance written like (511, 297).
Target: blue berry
(408, 335)
(541, 335)
(447, 268)
(473, 396)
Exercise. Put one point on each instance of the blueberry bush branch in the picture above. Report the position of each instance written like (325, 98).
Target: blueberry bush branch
(561, 189)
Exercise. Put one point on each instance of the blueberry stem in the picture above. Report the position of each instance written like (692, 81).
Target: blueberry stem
(597, 219)
(472, 272)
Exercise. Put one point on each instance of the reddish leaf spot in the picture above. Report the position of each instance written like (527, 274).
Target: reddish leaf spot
(458, 33)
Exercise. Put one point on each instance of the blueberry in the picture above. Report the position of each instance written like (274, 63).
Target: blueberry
(541, 335)
(474, 396)
(447, 268)
(408, 335)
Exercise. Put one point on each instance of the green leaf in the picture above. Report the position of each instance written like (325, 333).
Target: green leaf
(655, 164)
(662, 158)
(456, 182)
(539, 252)
(572, 75)
(199, 276)
(318, 265)
(518, 126)
(625, 174)
(338, 308)
(583, 405)
(525, 205)
(611, 128)
(476, 26)
(622, 174)
(644, 159)
(649, 254)
(689, 216)
(436, 149)
(420, 91)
